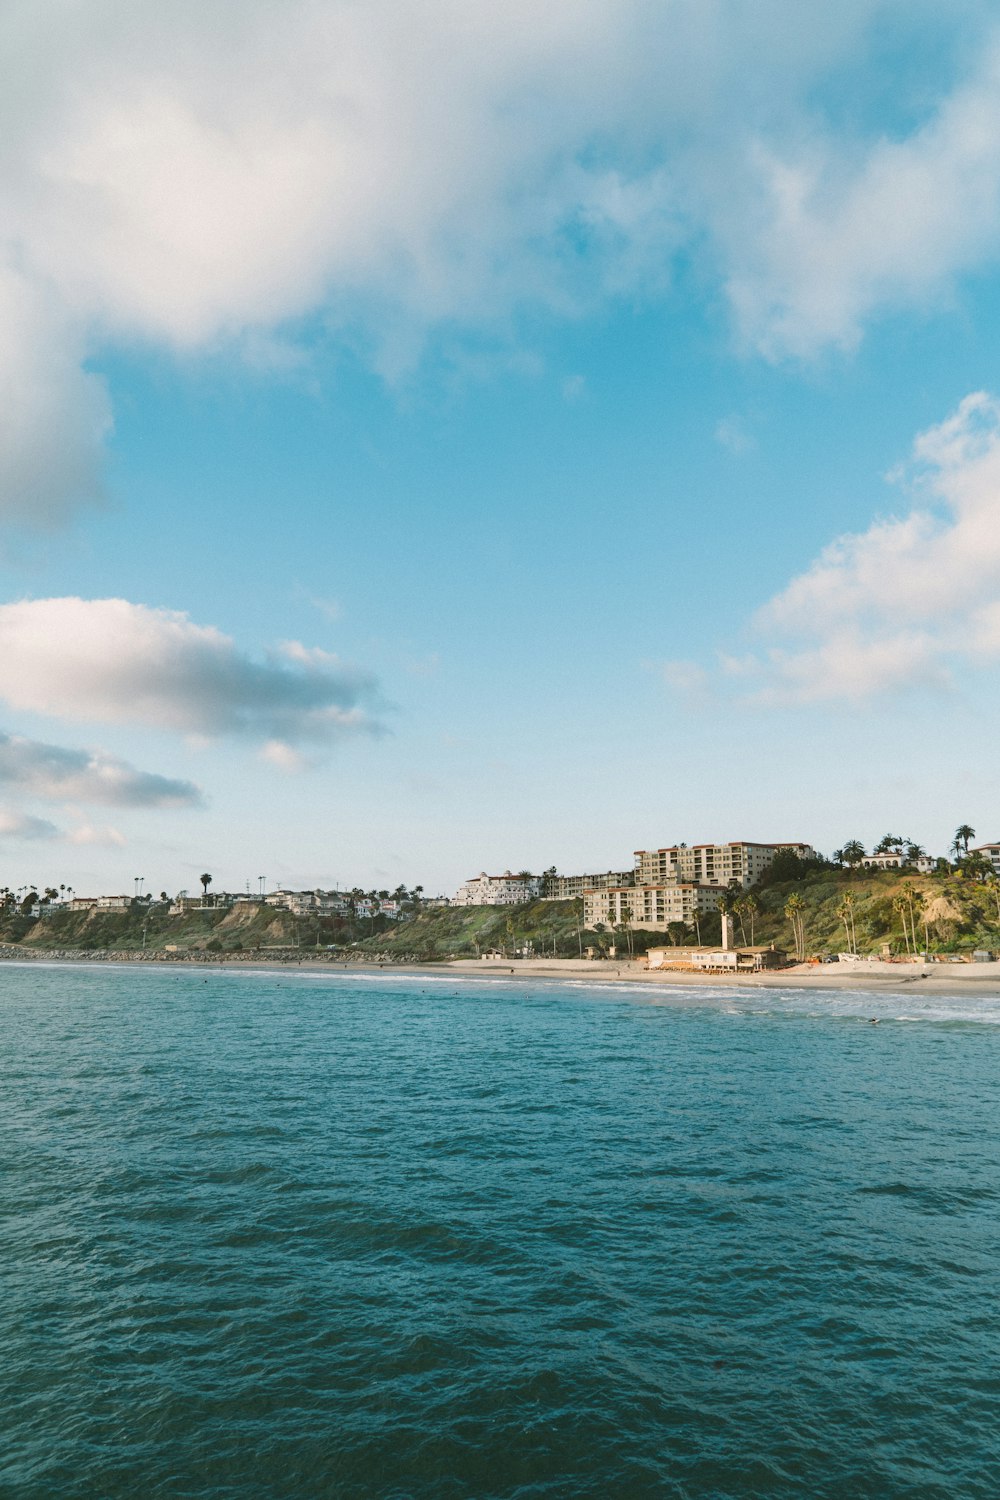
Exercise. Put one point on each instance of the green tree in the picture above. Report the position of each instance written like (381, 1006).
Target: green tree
(206, 881)
(962, 836)
(795, 912)
(851, 855)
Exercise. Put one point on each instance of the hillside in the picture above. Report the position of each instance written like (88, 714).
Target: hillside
(962, 915)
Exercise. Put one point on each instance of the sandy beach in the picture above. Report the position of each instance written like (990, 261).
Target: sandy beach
(932, 979)
(936, 979)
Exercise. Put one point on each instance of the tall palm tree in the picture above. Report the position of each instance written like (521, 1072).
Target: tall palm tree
(962, 836)
(206, 881)
(751, 906)
(794, 909)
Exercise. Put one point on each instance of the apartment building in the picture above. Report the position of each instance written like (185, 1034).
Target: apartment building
(498, 890)
(569, 887)
(711, 864)
(652, 907)
(992, 853)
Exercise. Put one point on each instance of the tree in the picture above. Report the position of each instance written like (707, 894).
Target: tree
(676, 932)
(794, 911)
(627, 920)
(889, 841)
(206, 881)
(739, 910)
(962, 836)
(845, 911)
(993, 886)
(900, 905)
(751, 906)
(914, 852)
(852, 853)
(976, 865)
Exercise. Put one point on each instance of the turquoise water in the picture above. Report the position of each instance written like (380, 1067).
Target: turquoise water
(290, 1235)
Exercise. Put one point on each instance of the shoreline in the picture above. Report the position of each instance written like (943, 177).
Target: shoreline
(877, 976)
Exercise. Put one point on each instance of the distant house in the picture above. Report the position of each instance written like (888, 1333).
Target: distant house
(82, 903)
(898, 859)
(113, 903)
(498, 890)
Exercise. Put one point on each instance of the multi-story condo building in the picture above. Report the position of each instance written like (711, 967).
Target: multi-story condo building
(711, 864)
(653, 907)
(498, 890)
(992, 853)
(568, 887)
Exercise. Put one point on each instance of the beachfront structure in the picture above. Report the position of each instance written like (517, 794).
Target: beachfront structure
(569, 887)
(113, 903)
(653, 907)
(711, 864)
(725, 960)
(498, 890)
(81, 903)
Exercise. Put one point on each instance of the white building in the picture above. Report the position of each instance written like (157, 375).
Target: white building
(992, 853)
(113, 903)
(896, 859)
(498, 890)
(652, 907)
(711, 864)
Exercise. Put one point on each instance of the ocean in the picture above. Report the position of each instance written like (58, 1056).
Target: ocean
(289, 1234)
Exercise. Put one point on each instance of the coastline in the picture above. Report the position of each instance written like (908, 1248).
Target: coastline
(877, 976)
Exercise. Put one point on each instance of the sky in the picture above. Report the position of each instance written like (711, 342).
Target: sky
(444, 436)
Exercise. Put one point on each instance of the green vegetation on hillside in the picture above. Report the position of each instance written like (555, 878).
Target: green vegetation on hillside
(834, 909)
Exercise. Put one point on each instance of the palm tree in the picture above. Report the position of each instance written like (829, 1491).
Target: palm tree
(751, 906)
(899, 904)
(845, 911)
(739, 908)
(852, 853)
(206, 881)
(962, 836)
(794, 908)
(627, 919)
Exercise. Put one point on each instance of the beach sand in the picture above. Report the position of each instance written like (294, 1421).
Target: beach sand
(931, 979)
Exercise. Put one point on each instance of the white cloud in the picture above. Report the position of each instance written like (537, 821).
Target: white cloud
(59, 773)
(197, 176)
(110, 661)
(20, 825)
(905, 602)
(105, 837)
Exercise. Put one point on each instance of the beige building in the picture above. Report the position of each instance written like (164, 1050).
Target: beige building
(652, 907)
(568, 887)
(711, 864)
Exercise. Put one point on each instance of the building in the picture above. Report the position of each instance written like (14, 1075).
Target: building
(711, 864)
(113, 903)
(897, 859)
(652, 907)
(727, 960)
(498, 890)
(992, 853)
(82, 903)
(308, 903)
(569, 887)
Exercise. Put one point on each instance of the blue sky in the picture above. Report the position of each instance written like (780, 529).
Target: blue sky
(440, 439)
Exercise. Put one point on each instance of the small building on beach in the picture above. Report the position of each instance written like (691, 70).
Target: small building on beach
(747, 960)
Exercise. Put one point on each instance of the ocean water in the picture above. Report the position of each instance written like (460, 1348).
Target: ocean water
(293, 1235)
